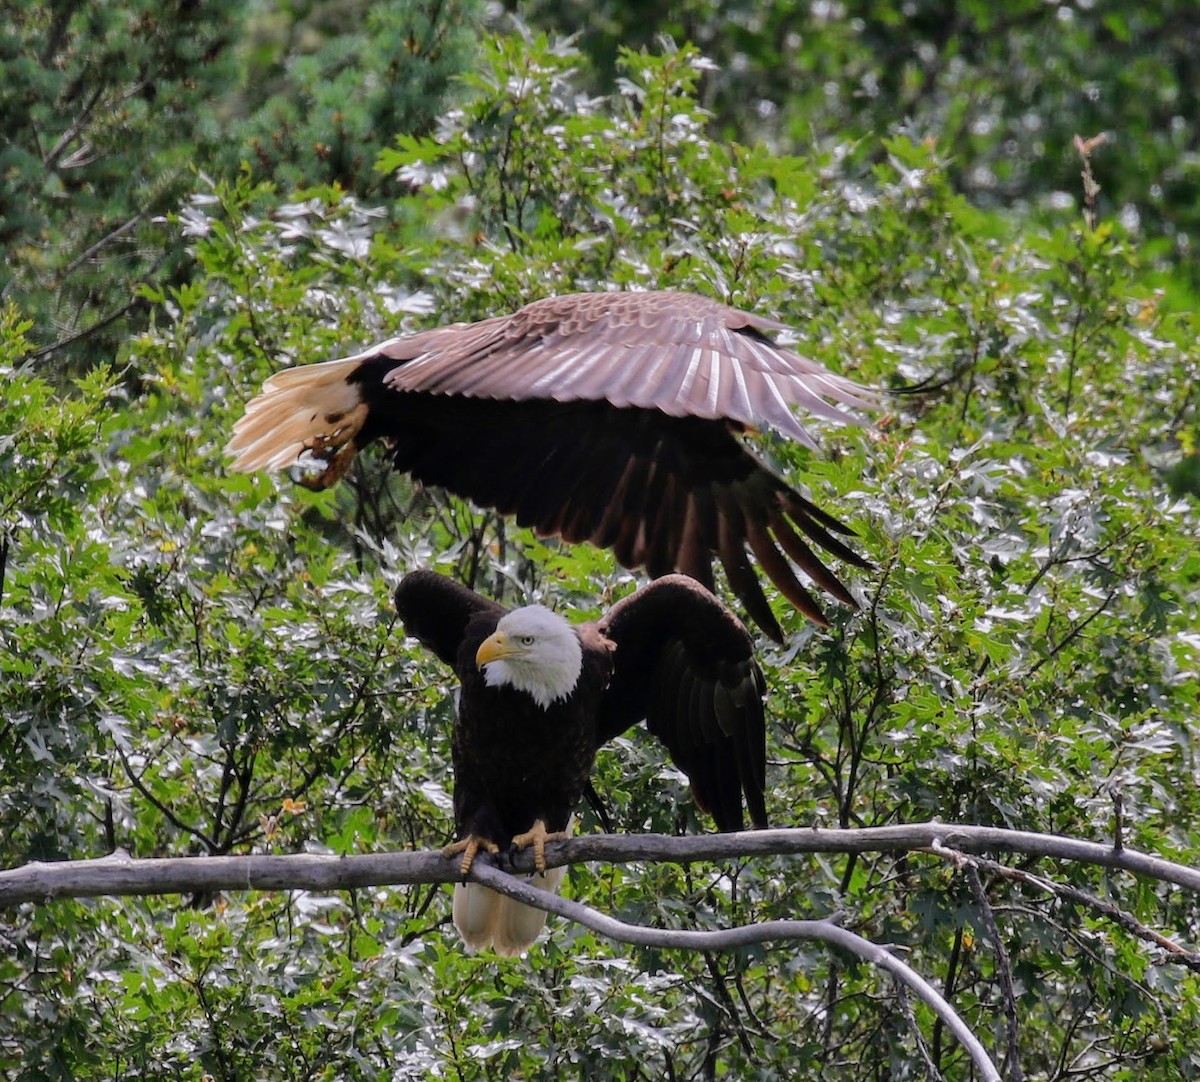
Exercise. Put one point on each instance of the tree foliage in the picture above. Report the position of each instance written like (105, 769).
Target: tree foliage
(109, 113)
(197, 663)
(1003, 89)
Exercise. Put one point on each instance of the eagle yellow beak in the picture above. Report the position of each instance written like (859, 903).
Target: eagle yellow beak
(494, 647)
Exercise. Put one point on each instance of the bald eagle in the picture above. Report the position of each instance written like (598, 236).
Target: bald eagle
(612, 418)
(539, 696)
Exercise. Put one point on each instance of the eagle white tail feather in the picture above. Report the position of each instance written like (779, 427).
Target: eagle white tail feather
(487, 919)
(299, 408)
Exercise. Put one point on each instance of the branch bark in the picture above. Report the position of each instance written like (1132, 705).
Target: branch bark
(122, 875)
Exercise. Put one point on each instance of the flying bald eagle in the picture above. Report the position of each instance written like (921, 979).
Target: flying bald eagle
(539, 696)
(612, 418)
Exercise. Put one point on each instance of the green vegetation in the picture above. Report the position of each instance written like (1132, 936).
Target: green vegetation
(195, 663)
(1001, 89)
(111, 113)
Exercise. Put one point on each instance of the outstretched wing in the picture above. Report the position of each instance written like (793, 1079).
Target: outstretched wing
(666, 493)
(678, 353)
(685, 664)
(436, 610)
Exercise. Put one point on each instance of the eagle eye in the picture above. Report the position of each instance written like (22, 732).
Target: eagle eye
(526, 640)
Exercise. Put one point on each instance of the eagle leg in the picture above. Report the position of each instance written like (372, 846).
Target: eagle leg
(336, 447)
(469, 847)
(538, 836)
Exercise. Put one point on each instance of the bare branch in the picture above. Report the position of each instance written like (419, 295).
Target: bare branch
(304, 871)
(744, 935)
(112, 235)
(931, 1068)
(120, 874)
(903, 838)
(1115, 913)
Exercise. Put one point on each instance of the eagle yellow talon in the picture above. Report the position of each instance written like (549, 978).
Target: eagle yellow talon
(538, 836)
(469, 847)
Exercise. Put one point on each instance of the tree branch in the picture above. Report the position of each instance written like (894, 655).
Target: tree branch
(121, 874)
(1116, 914)
(931, 1068)
(741, 936)
(1012, 1065)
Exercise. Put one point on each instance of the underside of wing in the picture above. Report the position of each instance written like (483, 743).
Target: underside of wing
(667, 494)
(686, 665)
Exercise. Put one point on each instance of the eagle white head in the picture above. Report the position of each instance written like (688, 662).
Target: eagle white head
(535, 651)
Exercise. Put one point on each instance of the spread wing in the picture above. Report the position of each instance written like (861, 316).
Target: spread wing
(436, 610)
(678, 353)
(664, 493)
(685, 664)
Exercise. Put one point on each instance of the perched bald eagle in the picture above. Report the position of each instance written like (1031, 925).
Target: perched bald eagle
(612, 418)
(538, 697)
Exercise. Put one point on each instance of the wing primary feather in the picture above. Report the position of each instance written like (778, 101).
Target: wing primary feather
(831, 544)
(730, 529)
(614, 521)
(662, 532)
(725, 706)
(754, 780)
(810, 514)
(660, 716)
(780, 573)
(693, 557)
(592, 491)
(808, 561)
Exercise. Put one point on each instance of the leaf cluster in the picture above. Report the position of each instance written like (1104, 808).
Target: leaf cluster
(110, 113)
(1003, 90)
(202, 663)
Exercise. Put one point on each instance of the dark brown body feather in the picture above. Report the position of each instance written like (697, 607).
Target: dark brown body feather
(613, 418)
(515, 762)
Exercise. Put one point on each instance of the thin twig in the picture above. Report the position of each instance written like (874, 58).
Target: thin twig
(1076, 630)
(931, 1068)
(124, 227)
(91, 328)
(135, 780)
(1012, 1065)
(4, 540)
(1119, 916)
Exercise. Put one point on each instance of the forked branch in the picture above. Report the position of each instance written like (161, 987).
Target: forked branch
(120, 874)
(724, 939)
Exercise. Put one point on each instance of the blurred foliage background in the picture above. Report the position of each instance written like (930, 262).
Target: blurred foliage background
(195, 196)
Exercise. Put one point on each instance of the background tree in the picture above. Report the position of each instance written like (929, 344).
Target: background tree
(109, 114)
(201, 664)
(1001, 89)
